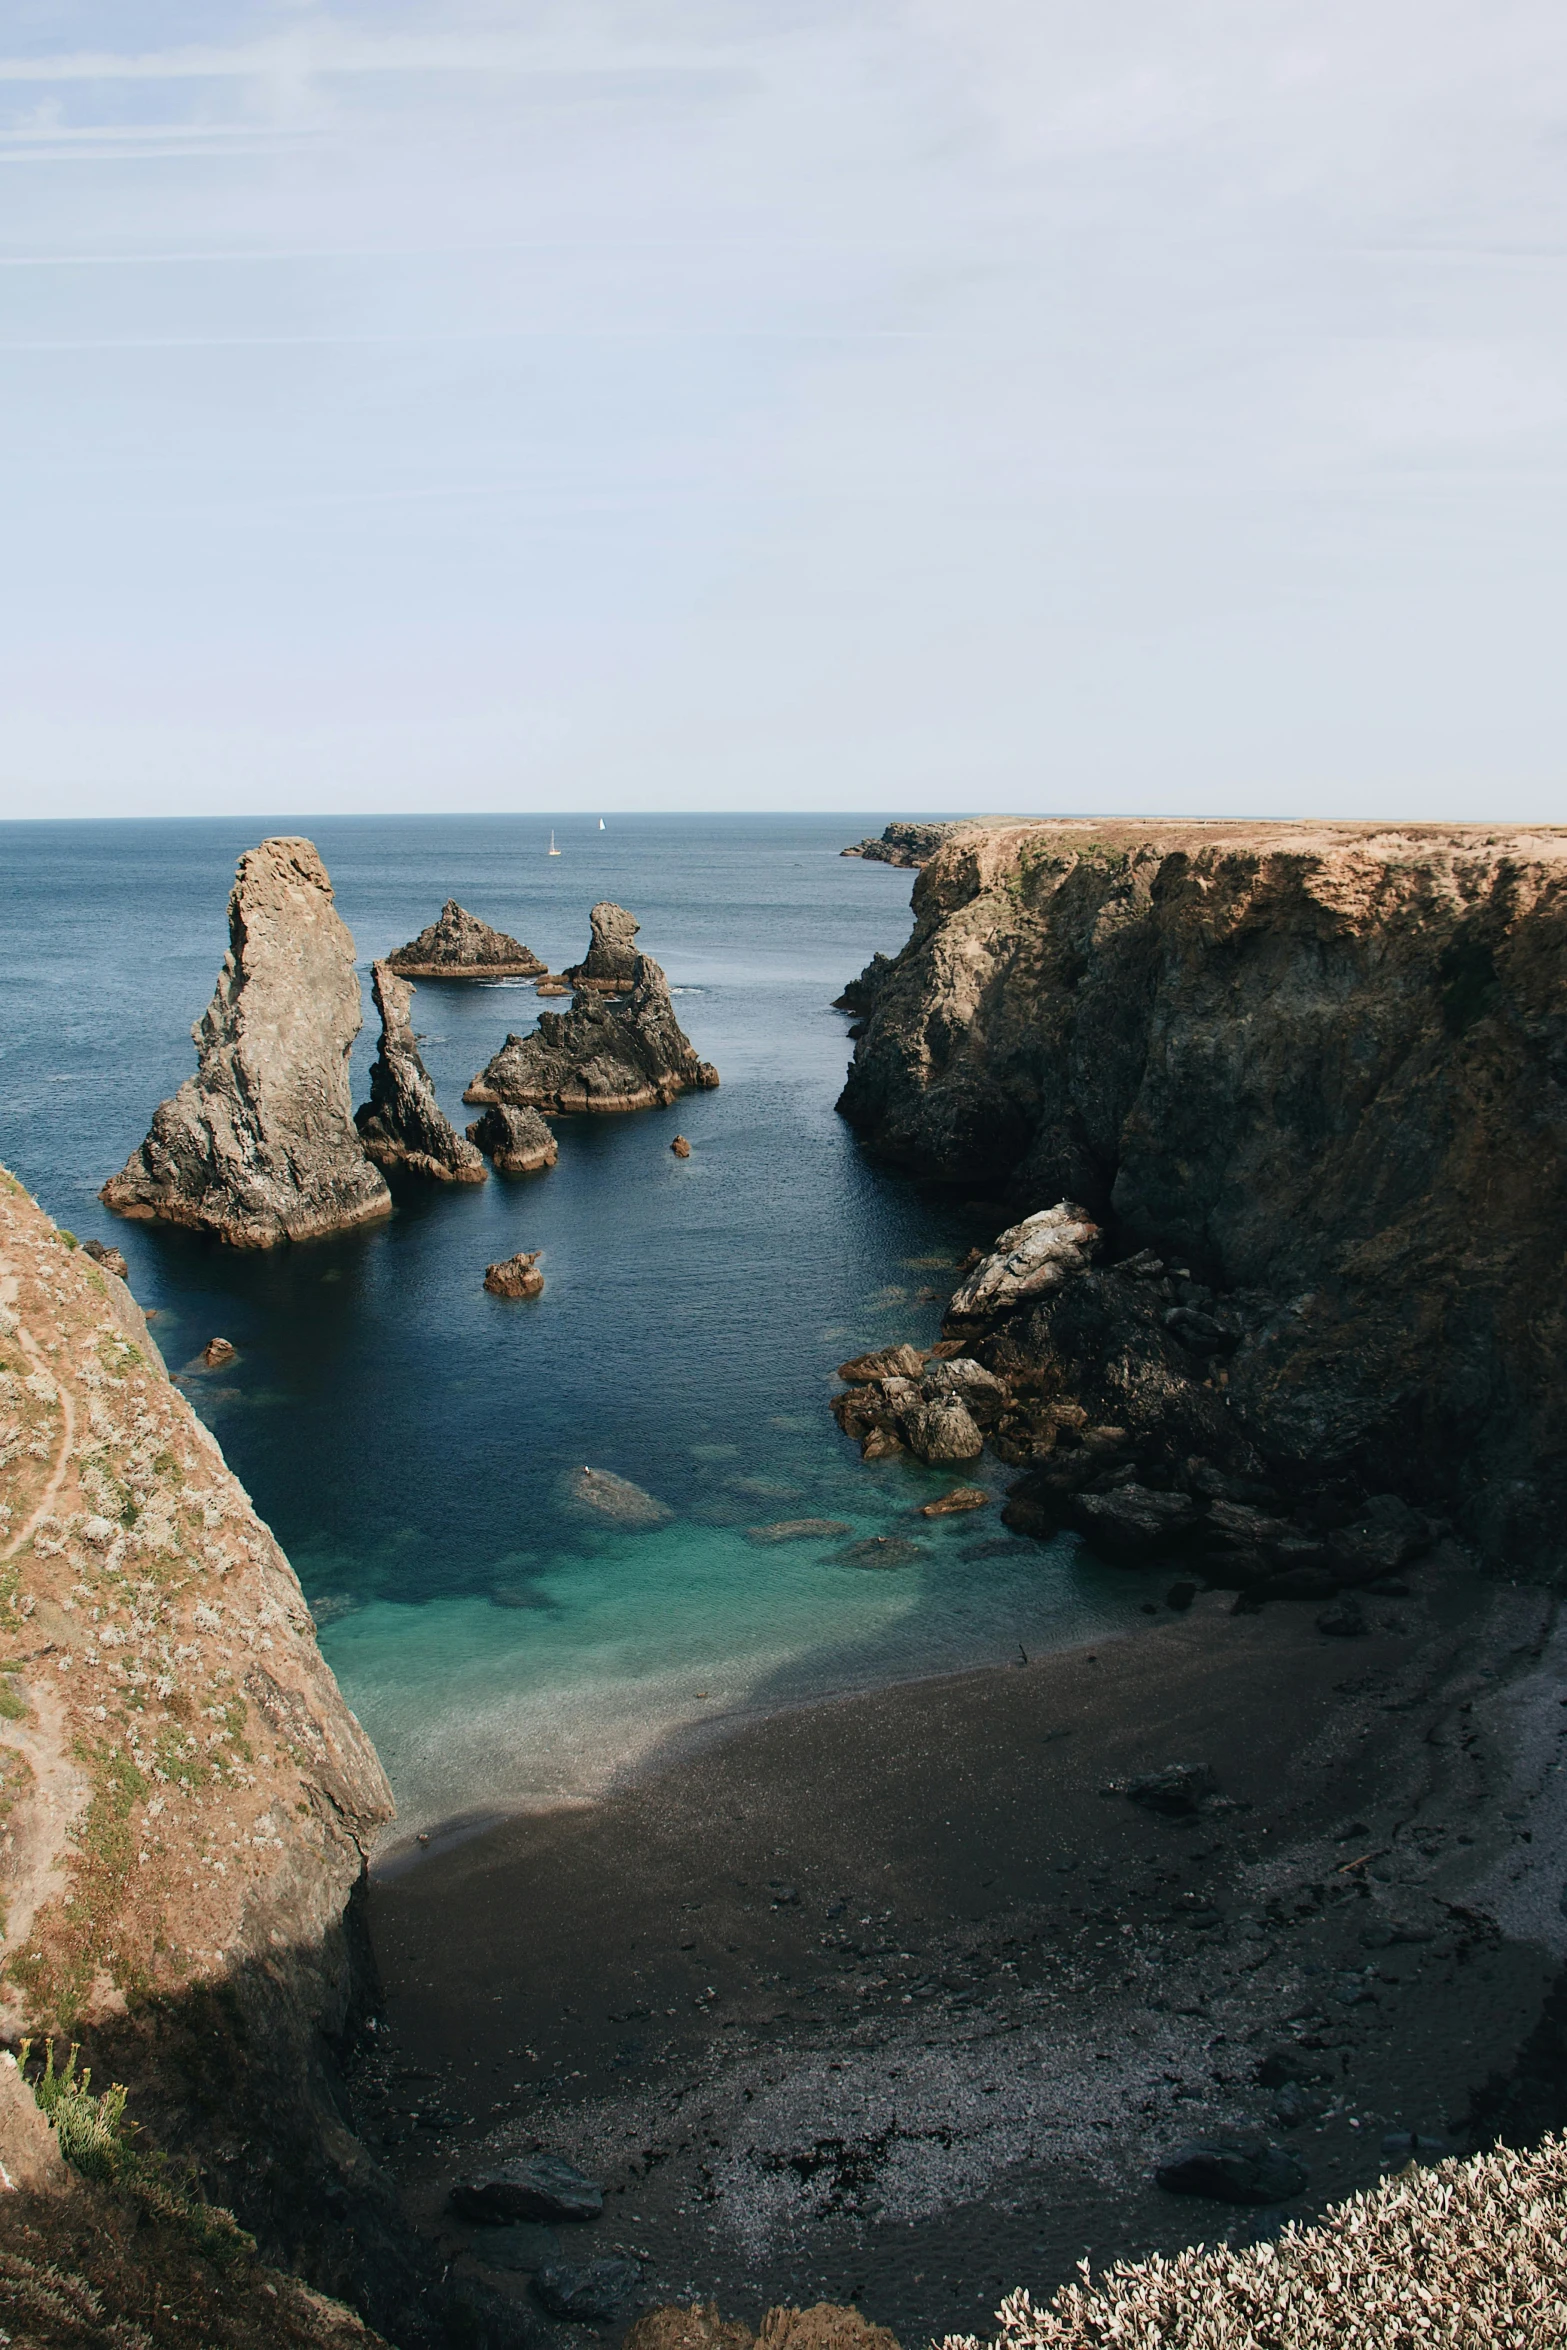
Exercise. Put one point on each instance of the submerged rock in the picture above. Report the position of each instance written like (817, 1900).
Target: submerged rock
(518, 1141)
(457, 945)
(610, 964)
(881, 1550)
(798, 1530)
(609, 1496)
(402, 1124)
(517, 1276)
(260, 1145)
(607, 1053)
(540, 2187)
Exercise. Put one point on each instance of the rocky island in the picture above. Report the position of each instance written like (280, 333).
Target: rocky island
(518, 1141)
(457, 945)
(1307, 1087)
(609, 1052)
(260, 1145)
(610, 964)
(402, 1124)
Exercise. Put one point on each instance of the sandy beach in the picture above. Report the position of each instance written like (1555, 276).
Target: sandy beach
(899, 1999)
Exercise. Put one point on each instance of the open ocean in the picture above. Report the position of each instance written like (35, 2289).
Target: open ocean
(411, 1439)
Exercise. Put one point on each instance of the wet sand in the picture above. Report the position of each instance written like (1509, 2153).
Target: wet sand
(889, 2000)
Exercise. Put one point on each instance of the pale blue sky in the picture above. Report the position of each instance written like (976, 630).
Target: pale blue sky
(915, 404)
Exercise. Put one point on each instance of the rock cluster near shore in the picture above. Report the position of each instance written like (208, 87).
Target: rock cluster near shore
(457, 945)
(1311, 1085)
(260, 1145)
(402, 1124)
(607, 1053)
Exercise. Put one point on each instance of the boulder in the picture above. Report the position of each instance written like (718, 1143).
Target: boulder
(1386, 1536)
(984, 1395)
(1177, 1792)
(680, 1147)
(1132, 1523)
(610, 964)
(942, 1429)
(402, 1124)
(1027, 1260)
(457, 945)
(217, 1352)
(1237, 2172)
(516, 1276)
(609, 1052)
(1346, 1621)
(111, 1259)
(594, 2292)
(517, 1141)
(953, 1504)
(260, 1145)
(539, 2187)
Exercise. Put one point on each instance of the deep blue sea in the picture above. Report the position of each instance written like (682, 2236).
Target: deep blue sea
(412, 1439)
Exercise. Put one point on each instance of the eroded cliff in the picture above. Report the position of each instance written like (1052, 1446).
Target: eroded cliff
(188, 1803)
(1322, 1072)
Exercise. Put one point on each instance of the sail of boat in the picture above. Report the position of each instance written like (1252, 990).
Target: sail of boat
(553, 850)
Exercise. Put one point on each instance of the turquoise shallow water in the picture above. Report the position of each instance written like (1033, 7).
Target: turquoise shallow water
(412, 1440)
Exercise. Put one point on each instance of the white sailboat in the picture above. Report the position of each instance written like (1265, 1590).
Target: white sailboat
(553, 850)
(601, 824)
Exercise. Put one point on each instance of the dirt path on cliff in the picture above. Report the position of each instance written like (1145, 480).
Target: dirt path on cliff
(891, 2000)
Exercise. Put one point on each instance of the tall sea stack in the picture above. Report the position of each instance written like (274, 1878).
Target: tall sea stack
(402, 1124)
(260, 1145)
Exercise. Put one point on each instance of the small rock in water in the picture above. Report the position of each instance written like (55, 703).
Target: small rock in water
(1233, 2173)
(516, 1276)
(943, 1429)
(881, 1550)
(1176, 1791)
(609, 1496)
(962, 1497)
(594, 2293)
(111, 1259)
(680, 1147)
(881, 1444)
(799, 1530)
(217, 1352)
(541, 2187)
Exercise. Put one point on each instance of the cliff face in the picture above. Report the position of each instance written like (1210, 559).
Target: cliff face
(259, 1146)
(188, 1803)
(1323, 1067)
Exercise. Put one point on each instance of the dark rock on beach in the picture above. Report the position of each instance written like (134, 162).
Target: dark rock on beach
(541, 2187)
(1178, 1791)
(260, 1145)
(517, 1141)
(1233, 2173)
(609, 1052)
(517, 1276)
(402, 1124)
(457, 945)
(593, 2293)
(610, 964)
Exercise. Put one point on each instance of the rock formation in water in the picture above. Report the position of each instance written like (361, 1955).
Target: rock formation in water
(610, 964)
(402, 1124)
(260, 1145)
(517, 1276)
(1310, 1083)
(907, 844)
(168, 1710)
(457, 945)
(606, 1053)
(518, 1141)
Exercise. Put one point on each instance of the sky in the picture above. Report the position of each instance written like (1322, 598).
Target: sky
(1143, 406)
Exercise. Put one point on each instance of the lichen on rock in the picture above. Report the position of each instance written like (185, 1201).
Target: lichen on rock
(260, 1145)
